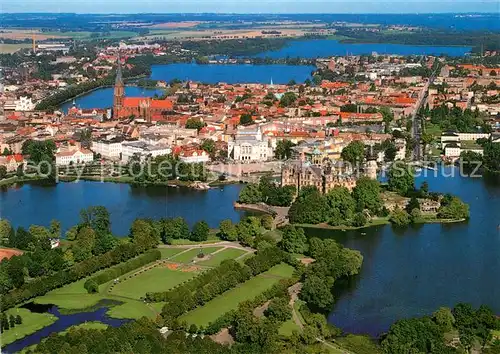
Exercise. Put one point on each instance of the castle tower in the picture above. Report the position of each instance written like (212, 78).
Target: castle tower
(119, 92)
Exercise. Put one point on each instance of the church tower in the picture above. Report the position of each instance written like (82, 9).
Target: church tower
(119, 91)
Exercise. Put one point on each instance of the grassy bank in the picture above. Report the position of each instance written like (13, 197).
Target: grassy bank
(32, 322)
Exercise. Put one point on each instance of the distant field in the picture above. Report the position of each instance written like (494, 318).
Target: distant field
(228, 301)
(154, 280)
(12, 48)
(72, 34)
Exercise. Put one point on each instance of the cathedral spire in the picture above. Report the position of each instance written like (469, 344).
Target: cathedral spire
(119, 78)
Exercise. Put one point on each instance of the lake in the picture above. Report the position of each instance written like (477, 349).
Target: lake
(413, 271)
(232, 73)
(314, 48)
(406, 272)
(38, 204)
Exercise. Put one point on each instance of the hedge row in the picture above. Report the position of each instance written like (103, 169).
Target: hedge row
(265, 260)
(123, 268)
(41, 286)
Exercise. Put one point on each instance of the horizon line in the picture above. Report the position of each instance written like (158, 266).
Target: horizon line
(253, 13)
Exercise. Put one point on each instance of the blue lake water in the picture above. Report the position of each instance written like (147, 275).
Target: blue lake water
(324, 48)
(103, 98)
(232, 73)
(124, 202)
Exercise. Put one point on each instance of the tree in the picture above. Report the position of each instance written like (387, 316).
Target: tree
(412, 204)
(55, 229)
(267, 221)
(284, 149)
(341, 206)
(359, 220)
(84, 245)
(5, 231)
(491, 156)
(279, 310)
(174, 228)
(194, 123)
(228, 231)
(19, 320)
(455, 209)
(3, 171)
(294, 240)
(91, 286)
(354, 153)
(401, 178)
(200, 231)
(208, 145)
(399, 217)
(424, 188)
(309, 208)
(390, 152)
(143, 234)
(250, 194)
(317, 293)
(444, 319)
(246, 119)
(97, 218)
(367, 195)
(288, 99)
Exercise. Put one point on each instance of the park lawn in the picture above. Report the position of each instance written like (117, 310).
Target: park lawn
(169, 252)
(32, 322)
(157, 279)
(212, 238)
(70, 301)
(86, 325)
(288, 327)
(131, 309)
(229, 300)
(281, 270)
(358, 344)
(217, 258)
(187, 256)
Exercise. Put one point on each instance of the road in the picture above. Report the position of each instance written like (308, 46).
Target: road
(416, 123)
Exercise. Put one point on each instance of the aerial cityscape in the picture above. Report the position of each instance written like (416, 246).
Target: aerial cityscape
(250, 177)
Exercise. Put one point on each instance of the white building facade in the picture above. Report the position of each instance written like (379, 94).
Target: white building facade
(74, 157)
(249, 145)
(143, 149)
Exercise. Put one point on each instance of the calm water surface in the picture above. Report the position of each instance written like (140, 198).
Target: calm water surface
(232, 73)
(38, 204)
(325, 47)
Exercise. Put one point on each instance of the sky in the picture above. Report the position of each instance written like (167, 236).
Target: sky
(250, 6)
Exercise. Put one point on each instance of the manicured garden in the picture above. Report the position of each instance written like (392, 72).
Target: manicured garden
(188, 256)
(217, 258)
(230, 300)
(160, 278)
